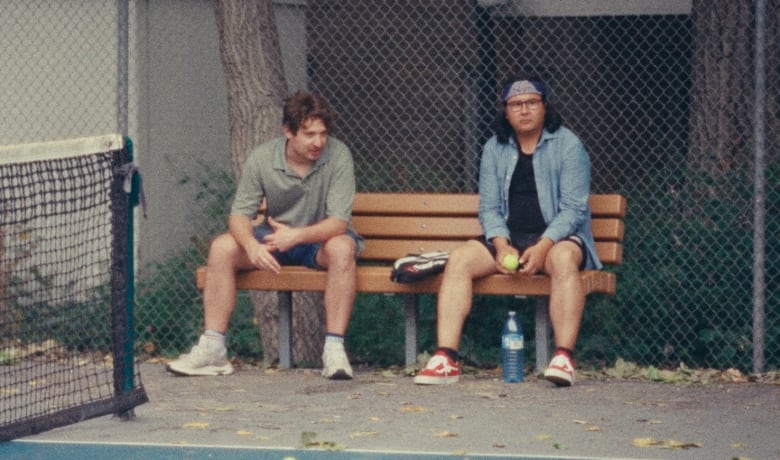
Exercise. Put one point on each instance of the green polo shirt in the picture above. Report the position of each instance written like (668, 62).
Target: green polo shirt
(327, 190)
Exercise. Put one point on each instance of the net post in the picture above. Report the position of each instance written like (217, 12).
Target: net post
(124, 324)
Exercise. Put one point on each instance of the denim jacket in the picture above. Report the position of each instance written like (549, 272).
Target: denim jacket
(562, 174)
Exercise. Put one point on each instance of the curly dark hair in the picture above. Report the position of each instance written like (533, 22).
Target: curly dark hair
(552, 120)
(302, 106)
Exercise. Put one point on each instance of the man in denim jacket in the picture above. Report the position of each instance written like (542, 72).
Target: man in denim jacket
(534, 186)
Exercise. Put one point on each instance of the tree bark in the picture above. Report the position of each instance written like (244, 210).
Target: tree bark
(721, 132)
(252, 59)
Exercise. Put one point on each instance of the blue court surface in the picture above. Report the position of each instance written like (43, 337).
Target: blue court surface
(34, 450)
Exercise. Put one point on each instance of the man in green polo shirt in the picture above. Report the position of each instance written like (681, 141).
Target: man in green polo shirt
(308, 182)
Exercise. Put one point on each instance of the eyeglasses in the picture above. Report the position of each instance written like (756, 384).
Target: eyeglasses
(516, 106)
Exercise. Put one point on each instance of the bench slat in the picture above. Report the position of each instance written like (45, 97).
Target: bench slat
(608, 205)
(425, 204)
(465, 204)
(376, 279)
(417, 227)
(463, 228)
(610, 252)
(390, 250)
(607, 229)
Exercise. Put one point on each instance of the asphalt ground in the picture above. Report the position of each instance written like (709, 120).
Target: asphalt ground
(297, 414)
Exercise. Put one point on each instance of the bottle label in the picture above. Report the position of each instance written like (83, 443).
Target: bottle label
(513, 342)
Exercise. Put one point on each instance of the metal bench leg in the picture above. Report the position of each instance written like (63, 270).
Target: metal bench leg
(285, 328)
(411, 309)
(542, 331)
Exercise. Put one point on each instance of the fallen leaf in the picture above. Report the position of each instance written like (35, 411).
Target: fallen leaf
(543, 437)
(224, 409)
(455, 417)
(672, 444)
(592, 428)
(446, 434)
(669, 444)
(363, 434)
(413, 409)
(734, 375)
(650, 421)
(243, 433)
(644, 442)
(196, 425)
(499, 446)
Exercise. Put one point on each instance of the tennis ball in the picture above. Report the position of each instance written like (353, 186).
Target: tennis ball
(510, 262)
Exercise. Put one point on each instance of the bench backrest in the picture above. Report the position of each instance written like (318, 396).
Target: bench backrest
(396, 224)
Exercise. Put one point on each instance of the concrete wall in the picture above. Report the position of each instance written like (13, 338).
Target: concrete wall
(182, 113)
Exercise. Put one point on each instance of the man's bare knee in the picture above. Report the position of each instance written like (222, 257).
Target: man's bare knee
(564, 257)
(339, 250)
(466, 258)
(224, 248)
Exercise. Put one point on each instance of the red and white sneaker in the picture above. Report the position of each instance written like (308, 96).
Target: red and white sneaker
(560, 371)
(440, 369)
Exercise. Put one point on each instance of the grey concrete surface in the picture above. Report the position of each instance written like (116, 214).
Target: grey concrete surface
(383, 412)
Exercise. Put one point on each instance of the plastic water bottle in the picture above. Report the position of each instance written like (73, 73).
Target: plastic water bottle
(512, 357)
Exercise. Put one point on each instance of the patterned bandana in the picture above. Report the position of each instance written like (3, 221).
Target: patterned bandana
(522, 87)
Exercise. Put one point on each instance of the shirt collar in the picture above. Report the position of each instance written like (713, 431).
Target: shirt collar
(280, 160)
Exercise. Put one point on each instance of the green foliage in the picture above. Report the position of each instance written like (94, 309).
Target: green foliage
(169, 307)
(169, 310)
(244, 337)
(376, 330)
(685, 289)
(40, 314)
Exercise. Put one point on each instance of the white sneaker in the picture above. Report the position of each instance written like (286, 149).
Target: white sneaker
(560, 371)
(335, 363)
(208, 357)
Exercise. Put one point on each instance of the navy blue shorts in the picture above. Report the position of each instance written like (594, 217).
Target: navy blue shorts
(303, 254)
(523, 241)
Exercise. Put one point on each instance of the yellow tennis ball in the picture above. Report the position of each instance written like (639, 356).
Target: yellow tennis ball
(510, 262)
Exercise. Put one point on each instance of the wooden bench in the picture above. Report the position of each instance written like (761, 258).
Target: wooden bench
(395, 225)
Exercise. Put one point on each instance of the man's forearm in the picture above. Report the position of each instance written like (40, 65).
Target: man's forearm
(240, 227)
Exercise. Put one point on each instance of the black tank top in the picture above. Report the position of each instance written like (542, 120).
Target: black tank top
(525, 215)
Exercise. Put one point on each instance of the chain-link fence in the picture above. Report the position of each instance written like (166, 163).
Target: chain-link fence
(664, 101)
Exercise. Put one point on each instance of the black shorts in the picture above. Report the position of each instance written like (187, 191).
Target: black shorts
(523, 241)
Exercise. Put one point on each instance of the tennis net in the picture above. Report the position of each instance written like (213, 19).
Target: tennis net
(66, 285)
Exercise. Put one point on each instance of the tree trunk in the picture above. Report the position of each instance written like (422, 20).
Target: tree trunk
(721, 132)
(252, 59)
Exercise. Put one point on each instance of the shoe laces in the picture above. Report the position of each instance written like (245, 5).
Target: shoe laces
(562, 361)
(440, 361)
